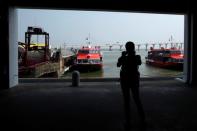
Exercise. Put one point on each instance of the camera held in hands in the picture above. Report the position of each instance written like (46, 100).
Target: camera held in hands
(124, 53)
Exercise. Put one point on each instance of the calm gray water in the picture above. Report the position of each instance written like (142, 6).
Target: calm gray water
(111, 71)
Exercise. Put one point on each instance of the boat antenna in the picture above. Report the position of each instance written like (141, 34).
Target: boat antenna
(171, 41)
(89, 39)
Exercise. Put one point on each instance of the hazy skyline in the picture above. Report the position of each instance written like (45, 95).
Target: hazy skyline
(73, 27)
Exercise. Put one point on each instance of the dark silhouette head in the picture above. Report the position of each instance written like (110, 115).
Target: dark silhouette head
(130, 47)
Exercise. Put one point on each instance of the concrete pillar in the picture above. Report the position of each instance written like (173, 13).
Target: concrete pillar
(172, 45)
(153, 46)
(166, 45)
(187, 49)
(181, 45)
(138, 47)
(190, 61)
(146, 46)
(160, 45)
(13, 47)
(75, 78)
(110, 47)
(8, 46)
(177, 45)
(121, 47)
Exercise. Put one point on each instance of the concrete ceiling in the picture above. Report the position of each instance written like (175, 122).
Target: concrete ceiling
(154, 6)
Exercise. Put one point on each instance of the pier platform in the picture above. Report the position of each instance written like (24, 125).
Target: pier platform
(169, 105)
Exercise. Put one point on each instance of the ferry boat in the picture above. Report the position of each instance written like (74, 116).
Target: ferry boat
(165, 58)
(88, 59)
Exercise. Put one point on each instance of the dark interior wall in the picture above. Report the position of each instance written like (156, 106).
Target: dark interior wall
(154, 6)
(4, 47)
(193, 39)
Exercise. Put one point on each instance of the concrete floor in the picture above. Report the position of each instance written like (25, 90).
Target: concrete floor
(96, 106)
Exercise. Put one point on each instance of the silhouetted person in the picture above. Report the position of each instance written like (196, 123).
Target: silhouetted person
(129, 80)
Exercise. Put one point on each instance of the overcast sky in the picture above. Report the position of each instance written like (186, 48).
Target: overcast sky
(73, 27)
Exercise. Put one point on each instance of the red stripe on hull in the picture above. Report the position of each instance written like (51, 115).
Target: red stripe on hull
(87, 67)
(169, 65)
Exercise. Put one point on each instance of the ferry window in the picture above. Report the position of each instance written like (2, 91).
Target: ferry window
(167, 52)
(161, 53)
(83, 51)
(175, 52)
(93, 51)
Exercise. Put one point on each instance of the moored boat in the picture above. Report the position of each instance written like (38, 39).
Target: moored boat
(34, 58)
(166, 58)
(88, 59)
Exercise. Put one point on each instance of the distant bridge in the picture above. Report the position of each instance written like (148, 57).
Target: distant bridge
(148, 45)
(145, 46)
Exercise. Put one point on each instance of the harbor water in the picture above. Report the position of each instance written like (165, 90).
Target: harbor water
(110, 70)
